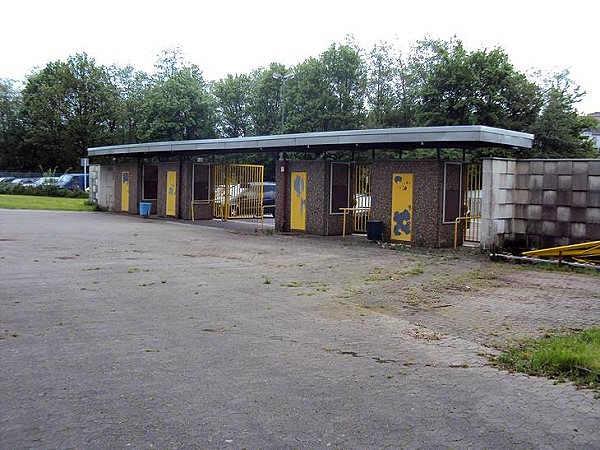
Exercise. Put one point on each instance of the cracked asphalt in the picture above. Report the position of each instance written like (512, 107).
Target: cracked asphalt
(122, 332)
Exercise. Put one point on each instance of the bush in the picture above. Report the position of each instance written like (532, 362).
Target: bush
(41, 191)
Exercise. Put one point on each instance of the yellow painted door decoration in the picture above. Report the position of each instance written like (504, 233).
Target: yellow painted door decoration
(125, 191)
(171, 193)
(402, 207)
(298, 201)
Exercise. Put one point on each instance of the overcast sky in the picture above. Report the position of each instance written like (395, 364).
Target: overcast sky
(237, 36)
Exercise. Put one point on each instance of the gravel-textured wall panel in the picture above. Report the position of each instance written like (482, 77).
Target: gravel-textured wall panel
(427, 227)
(317, 195)
(427, 199)
(161, 206)
(134, 187)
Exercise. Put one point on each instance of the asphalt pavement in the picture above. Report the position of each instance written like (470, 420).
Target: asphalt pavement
(122, 332)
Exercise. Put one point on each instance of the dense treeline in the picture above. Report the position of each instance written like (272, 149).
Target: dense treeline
(68, 106)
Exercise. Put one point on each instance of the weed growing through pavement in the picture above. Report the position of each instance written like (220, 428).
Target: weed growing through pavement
(573, 356)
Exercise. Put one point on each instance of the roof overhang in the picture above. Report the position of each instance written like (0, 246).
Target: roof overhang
(469, 136)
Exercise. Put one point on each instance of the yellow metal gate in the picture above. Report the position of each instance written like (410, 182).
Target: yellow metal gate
(362, 196)
(472, 201)
(238, 191)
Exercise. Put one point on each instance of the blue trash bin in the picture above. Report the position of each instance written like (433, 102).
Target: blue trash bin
(145, 209)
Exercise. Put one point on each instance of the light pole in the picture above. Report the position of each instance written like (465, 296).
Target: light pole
(283, 79)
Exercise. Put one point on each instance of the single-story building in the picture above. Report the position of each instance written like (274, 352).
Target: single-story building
(415, 201)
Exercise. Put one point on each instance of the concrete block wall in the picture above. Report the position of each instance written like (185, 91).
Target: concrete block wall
(498, 200)
(102, 186)
(548, 203)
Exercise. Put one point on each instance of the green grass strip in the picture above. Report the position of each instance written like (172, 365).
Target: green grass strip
(45, 203)
(574, 357)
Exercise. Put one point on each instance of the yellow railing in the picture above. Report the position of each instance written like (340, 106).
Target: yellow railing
(346, 211)
(457, 221)
(362, 196)
(472, 199)
(238, 190)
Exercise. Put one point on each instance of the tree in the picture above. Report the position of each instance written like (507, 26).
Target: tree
(11, 127)
(328, 93)
(477, 88)
(382, 87)
(346, 77)
(131, 85)
(390, 98)
(307, 98)
(178, 107)
(169, 62)
(67, 108)
(233, 95)
(265, 100)
(559, 128)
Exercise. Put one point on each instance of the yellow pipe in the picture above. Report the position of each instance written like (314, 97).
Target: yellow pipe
(345, 210)
(456, 222)
(566, 250)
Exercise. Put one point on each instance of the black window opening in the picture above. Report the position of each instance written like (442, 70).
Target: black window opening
(201, 182)
(340, 187)
(452, 191)
(150, 182)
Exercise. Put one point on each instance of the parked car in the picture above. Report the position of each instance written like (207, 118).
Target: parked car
(28, 181)
(363, 204)
(46, 181)
(234, 191)
(73, 181)
(247, 201)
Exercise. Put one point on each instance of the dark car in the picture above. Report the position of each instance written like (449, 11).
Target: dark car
(247, 201)
(73, 181)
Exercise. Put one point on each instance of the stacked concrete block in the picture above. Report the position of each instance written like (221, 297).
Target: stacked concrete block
(499, 179)
(102, 186)
(555, 202)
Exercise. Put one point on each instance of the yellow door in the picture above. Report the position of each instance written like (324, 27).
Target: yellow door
(125, 191)
(171, 193)
(402, 207)
(298, 202)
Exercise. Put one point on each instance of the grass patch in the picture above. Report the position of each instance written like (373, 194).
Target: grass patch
(574, 357)
(378, 274)
(413, 271)
(45, 203)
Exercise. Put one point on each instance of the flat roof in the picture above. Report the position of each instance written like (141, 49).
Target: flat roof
(462, 136)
